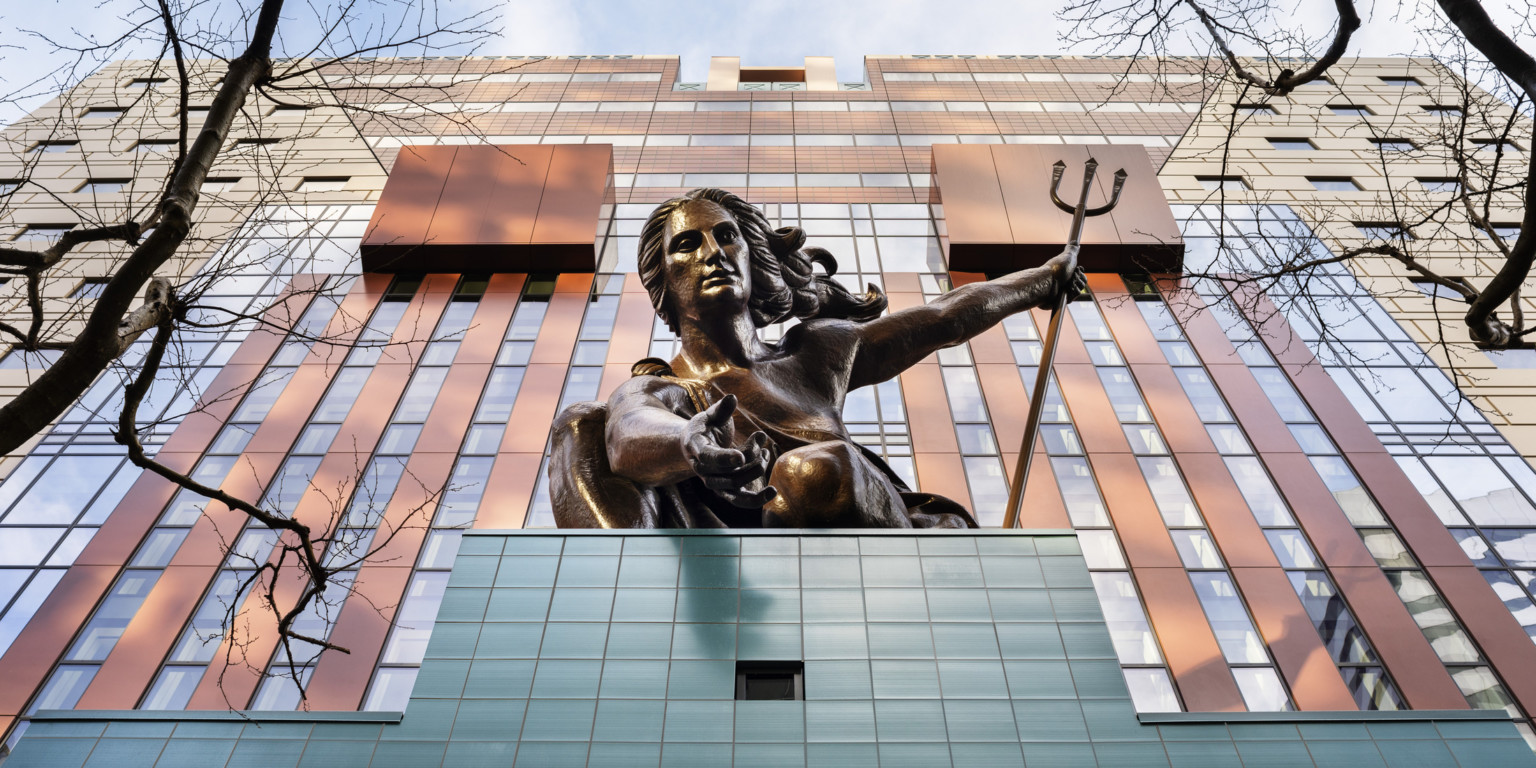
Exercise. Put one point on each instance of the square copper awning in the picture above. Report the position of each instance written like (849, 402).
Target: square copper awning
(999, 216)
(491, 208)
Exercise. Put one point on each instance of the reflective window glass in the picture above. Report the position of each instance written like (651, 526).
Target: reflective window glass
(1202, 394)
(1128, 627)
(1434, 618)
(1196, 548)
(1291, 548)
(1347, 491)
(1080, 493)
(1169, 492)
(1151, 689)
(1240, 642)
(1257, 489)
(1100, 549)
(1123, 395)
(1341, 635)
(1262, 690)
(1486, 494)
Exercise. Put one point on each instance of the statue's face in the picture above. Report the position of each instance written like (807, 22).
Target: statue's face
(707, 260)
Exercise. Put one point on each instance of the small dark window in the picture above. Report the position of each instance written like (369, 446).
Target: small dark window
(154, 145)
(540, 287)
(1333, 183)
(257, 142)
(1291, 144)
(104, 112)
(147, 82)
(1399, 80)
(403, 287)
(1393, 145)
(289, 109)
(1350, 109)
(1489, 145)
(1255, 109)
(1141, 287)
(54, 146)
(1440, 183)
(1442, 109)
(770, 680)
(89, 288)
(1214, 183)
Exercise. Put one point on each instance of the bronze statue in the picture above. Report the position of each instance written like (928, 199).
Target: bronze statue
(738, 432)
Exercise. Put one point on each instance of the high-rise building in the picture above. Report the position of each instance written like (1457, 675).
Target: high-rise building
(1293, 529)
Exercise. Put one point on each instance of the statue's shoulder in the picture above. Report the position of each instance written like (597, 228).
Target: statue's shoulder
(654, 377)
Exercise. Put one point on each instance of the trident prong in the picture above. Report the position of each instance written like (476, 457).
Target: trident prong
(1079, 212)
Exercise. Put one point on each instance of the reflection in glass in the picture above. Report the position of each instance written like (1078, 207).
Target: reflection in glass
(1100, 549)
(1080, 493)
(1291, 548)
(1262, 690)
(1347, 491)
(1196, 549)
(1483, 691)
(1168, 491)
(1440, 627)
(1240, 642)
(1151, 689)
(1257, 489)
(1128, 627)
(1228, 438)
(1371, 688)
(1341, 635)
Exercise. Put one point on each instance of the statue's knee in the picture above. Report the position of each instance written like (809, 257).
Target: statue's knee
(818, 471)
(581, 424)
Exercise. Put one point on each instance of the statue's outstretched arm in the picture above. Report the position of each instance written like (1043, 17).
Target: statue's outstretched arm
(652, 442)
(891, 344)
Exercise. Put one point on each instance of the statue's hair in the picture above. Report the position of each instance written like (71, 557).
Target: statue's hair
(784, 281)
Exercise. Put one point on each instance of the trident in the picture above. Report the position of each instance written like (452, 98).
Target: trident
(1048, 352)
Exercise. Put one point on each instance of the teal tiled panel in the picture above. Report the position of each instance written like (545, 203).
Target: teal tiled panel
(920, 649)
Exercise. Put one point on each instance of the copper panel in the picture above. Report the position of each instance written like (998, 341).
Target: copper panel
(1189, 647)
(1200, 326)
(413, 506)
(1314, 507)
(631, 339)
(1069, 345)
(1419, 675)
(340, 680)
(928, 416)
(506, 283)
(1097, 425)
(132, 518)
(1042, 506)
(1175, 417)
(465, 201)
(1332, 409)
(483, 339)
(291, 411)
(534, 409)
(30, 658)
(232, 677)
(129, 670)
(1136, 517)
(901, 282)
(1402, 503)
(1293, 641)
(351, 316)
(943, 473)
(1226, 514)
(1140, 235)
(1007, 403)
(410, 338)
(440, 281)
(1252, 408)
(365, 424)
(444, 429)
(991, 346)
(205, 543)
(509, 492)
(1505, 644)
(633, 284)
(410, 196)
(614, 374)
(562, 325)
(973, 201)
(520, 172)
(575, 282)
(1126, 324)
(573, 194)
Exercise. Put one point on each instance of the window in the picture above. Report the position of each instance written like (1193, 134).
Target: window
(289, 109)
(1490, 145)
(256, 142)
(1523, 358)
(220, 183)
(8, 186)
(1435, 290)
(154, 145)
(1449, 184)
(21, 360)
(1382, 230)
(89, 288)
(323, 183)
(1291, 144)
(103, 186)
(770, 680)
(1255, 109)
(1350, 109)
(1442, 109)
(1229, 183)
(1403, 80)
(53, 146)
(38, 233)
(147, 82)
(102, 113)
(1393, 145)
(1334, 184)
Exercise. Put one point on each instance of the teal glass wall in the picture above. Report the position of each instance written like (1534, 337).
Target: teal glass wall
(920, 649)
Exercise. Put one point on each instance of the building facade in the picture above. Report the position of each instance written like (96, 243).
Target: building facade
(1293, 516)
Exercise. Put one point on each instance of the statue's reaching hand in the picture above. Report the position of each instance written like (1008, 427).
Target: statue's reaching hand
(737, 475)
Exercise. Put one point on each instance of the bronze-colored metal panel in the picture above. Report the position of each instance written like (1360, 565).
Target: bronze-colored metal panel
(614, 374)
(1252, 408)
(1135, 515)
(290, 413)
(413, 505)
(1200, 326)
(1025, 178)
(205, 543)
(1126, 324)
(1419, 675)
(31, 656)
(1402, 503)
(410, 197)
(1175, 417)
(1092, 414)
(534, 410)
(483, 339)
(509, 492)
(410, 338)
(1293, 641)
(1188, 644)
(1069, 345)
(973, 201)
(122, 531)
(506, 283)
(340, 680)
(1007, 403)
(1042, 506)
(1314, 507)
(1237, 534)
(902, 282)
(944, 474)
(631, 339)
(928, 416)
(562, 324)
(466, 199)
(520, 170)
(1503, 641)
(444, 429)
(1332, 409)
(573, 194)
(129, 670)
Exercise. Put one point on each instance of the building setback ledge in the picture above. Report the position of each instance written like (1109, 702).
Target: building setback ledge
(792, 532)
(244, 716)
(1400, 716)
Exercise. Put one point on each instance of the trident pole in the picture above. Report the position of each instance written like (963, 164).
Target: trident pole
(1079, 212)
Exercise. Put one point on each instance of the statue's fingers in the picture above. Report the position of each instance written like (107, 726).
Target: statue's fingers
(715, 460)
(719, 414)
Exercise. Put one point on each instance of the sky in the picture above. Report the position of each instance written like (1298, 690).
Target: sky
(762, 32)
